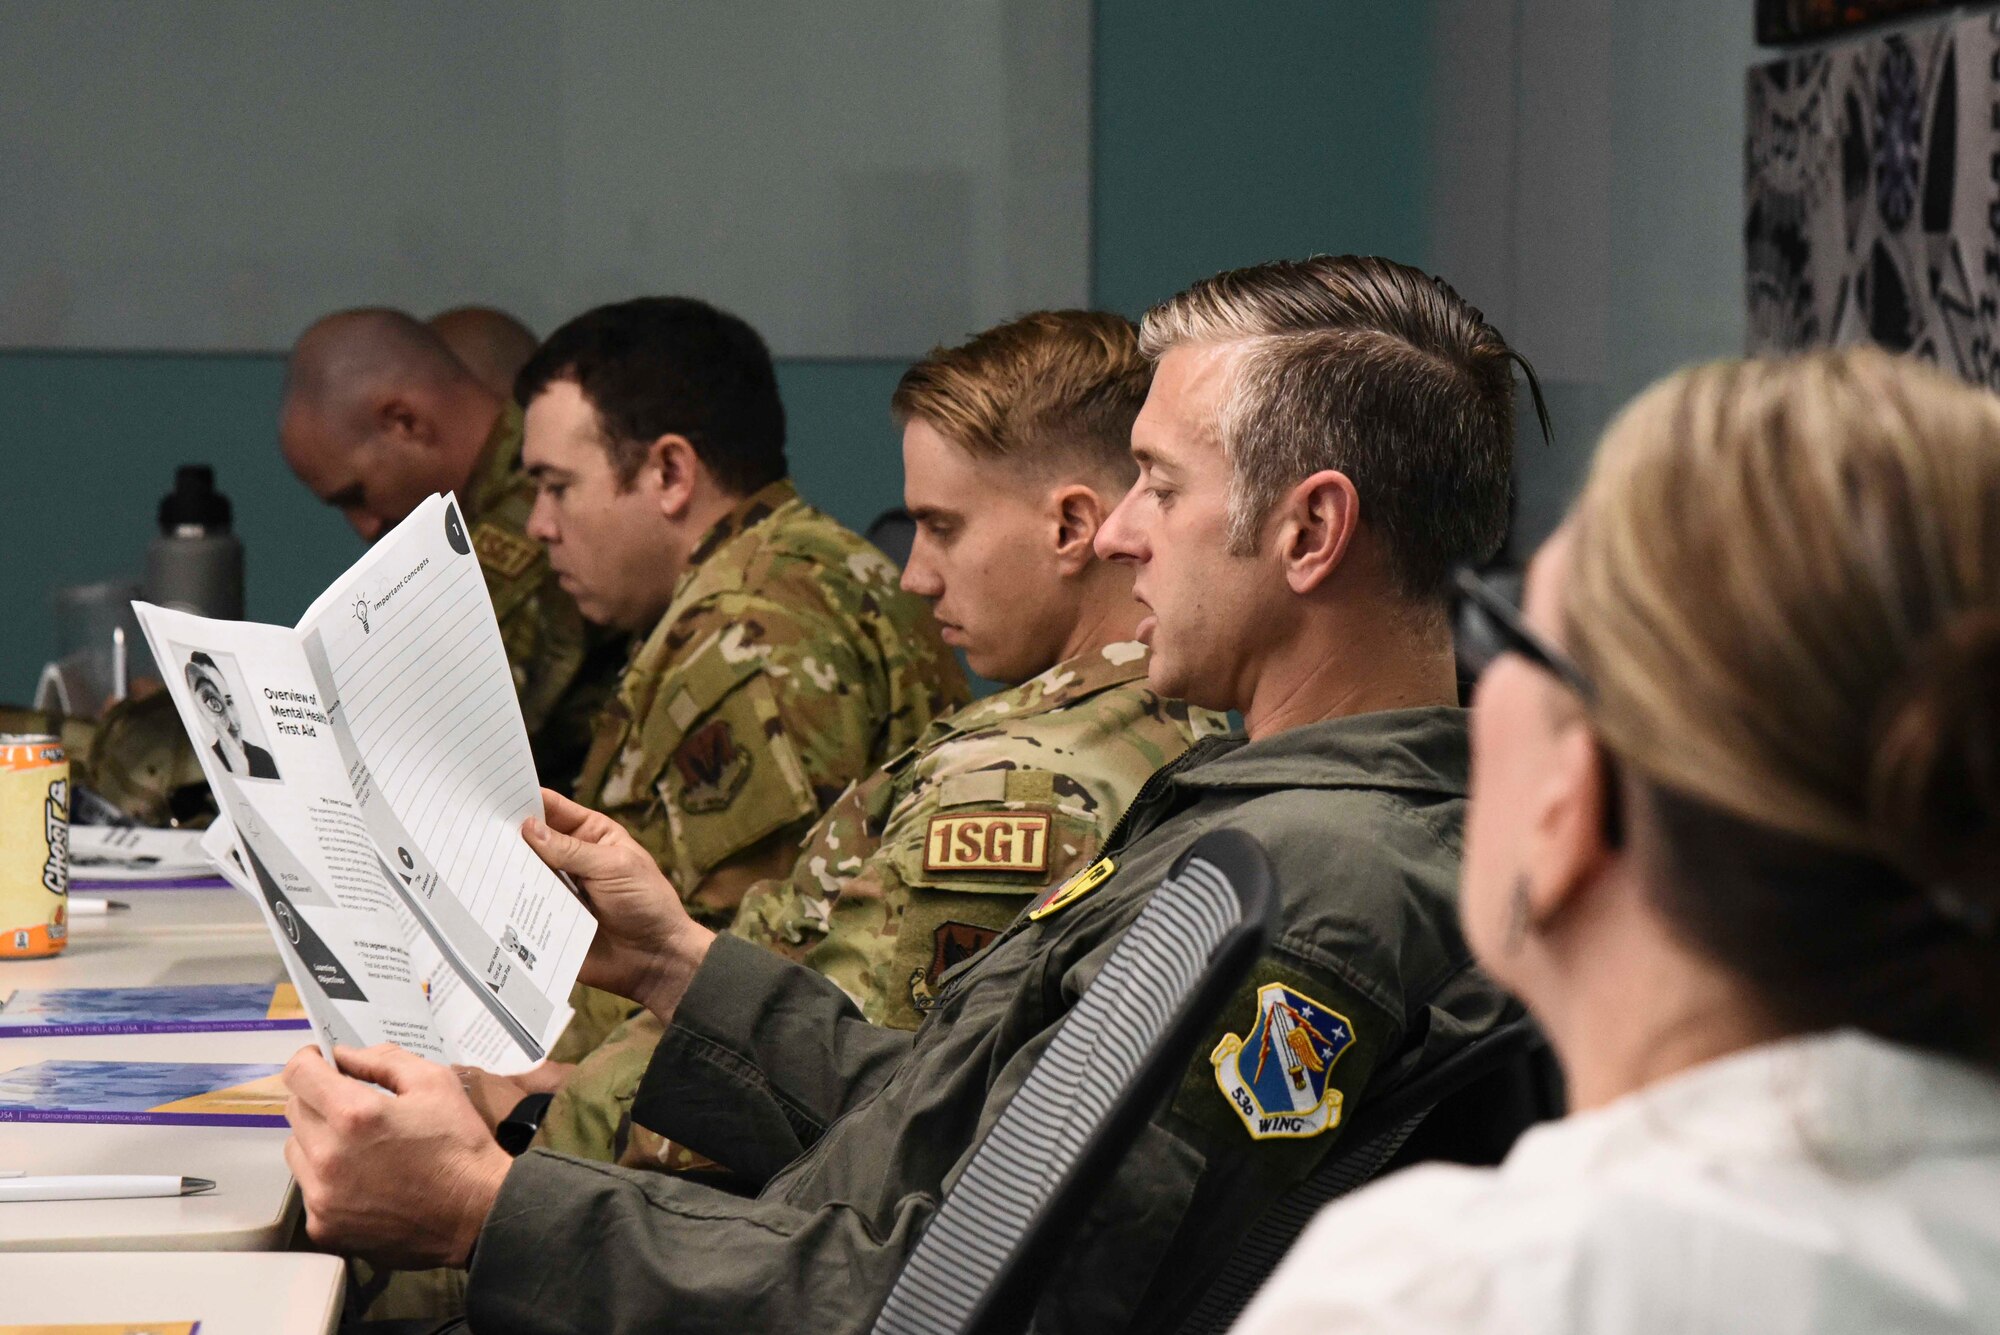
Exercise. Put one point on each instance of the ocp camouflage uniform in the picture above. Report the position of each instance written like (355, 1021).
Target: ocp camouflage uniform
(564, 667)
(928, 859)
(138, 757)
(789, 664)
(921, 864)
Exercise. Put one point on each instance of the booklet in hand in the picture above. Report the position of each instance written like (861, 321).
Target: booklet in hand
(373, 773)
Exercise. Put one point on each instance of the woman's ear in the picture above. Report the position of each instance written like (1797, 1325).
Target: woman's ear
(1571, 823)
(1078, 512)
(1316, 523)
(399, 418)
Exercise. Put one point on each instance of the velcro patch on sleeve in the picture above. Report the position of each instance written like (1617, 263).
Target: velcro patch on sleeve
(998, 841)
(1278, 1077)
(507, 555)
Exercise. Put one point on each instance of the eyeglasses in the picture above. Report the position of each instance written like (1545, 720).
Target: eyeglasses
(1487, 623)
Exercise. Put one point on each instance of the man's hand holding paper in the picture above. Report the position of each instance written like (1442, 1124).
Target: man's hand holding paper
(647, 948)
(408, 1180)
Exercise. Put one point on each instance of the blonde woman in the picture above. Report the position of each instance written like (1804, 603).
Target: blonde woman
(1735, 840)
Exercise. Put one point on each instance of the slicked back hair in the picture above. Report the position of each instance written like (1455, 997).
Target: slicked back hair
(1372, 368)
(657, 366)
(1051, 390)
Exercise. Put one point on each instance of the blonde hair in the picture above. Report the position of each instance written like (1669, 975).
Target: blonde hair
(1047, 389)
(1379, 370)
(1784, 581)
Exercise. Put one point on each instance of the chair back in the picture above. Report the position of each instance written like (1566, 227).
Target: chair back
(1110, 1065)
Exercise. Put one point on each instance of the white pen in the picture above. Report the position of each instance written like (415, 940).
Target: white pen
(89, 906)
(99, 1187)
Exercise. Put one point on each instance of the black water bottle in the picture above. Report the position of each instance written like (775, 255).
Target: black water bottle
(196, 563)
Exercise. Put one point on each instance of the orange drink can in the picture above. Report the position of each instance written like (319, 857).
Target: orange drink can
(34, 846)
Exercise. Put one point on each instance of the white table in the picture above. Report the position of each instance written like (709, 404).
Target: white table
(170, 936)
(292, 1293)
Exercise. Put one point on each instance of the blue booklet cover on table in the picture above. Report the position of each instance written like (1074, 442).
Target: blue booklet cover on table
(69, 1012)
(182, 1093)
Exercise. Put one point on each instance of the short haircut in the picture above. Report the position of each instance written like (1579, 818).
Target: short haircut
(199, 664)
(1051, 389)
(344, 358)
(659, 366)
(1372, 368)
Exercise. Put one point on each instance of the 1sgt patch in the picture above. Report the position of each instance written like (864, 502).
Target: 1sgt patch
(713, 768)
(507, 555)
(1277, 1078)
(1006, 842)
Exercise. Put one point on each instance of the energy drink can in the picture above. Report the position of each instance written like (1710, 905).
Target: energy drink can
(34, 846)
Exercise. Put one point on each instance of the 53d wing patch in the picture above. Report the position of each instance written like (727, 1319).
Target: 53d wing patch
(1277, 1079)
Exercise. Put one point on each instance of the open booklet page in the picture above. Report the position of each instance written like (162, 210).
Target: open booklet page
(458, 1027)
(376, 772)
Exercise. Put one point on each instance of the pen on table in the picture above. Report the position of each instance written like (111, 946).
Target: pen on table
(90, 906)
(97, 1187)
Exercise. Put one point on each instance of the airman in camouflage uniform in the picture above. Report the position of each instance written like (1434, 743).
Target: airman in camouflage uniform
(788, 665)
(921, 864)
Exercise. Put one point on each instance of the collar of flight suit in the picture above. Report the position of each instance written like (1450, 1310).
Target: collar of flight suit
(1406, 750)
(499, 466)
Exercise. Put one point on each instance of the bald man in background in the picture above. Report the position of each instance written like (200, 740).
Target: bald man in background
(493, 345)
(378, 412)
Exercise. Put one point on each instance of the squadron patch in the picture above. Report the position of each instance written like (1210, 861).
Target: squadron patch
(713, 768)
(1277, 1078)
(507, 555)
(1005, 841)
(952, 944)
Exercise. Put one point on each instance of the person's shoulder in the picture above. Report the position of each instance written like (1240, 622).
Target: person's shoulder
(804, 550)
(1366, 837)
(1436, 1248)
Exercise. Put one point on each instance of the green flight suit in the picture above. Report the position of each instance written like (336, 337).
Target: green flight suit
(921, 864)
(850, 1131)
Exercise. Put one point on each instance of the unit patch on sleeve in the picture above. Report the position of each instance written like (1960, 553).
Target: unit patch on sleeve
(713, 767)
(952, 944)
(1277, 1078)
(506, 554)
(1000, 841)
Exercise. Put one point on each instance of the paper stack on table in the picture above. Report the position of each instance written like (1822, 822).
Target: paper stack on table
(373, 773)
(103, 855)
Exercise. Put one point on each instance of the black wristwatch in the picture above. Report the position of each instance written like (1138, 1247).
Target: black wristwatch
(517, 1128)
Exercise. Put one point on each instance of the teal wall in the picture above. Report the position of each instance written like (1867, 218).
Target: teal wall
(1223, 135)
(1227, 134)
